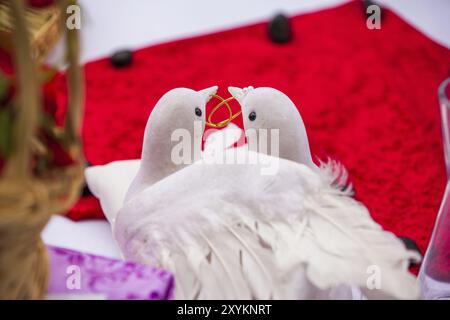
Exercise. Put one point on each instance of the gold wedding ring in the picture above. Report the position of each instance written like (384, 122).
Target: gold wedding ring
(231, 117)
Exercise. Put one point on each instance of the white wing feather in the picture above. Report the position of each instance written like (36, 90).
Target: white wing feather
(228, 232)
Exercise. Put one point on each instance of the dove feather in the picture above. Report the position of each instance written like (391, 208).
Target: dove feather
(297, 234)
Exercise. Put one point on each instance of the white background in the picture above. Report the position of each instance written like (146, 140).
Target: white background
(108, 25)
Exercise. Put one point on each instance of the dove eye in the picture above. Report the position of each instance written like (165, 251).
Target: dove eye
(252, 116)
(198, 112)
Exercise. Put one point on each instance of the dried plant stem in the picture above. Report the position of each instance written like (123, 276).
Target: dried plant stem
(27, 201)
(28, 98)
(75, 83)
(24, 202)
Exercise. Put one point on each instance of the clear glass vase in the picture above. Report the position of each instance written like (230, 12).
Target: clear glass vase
(434, 275)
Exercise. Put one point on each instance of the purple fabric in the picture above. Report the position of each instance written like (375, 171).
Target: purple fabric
(76, 273)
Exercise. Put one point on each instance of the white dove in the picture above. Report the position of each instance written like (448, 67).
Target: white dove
(180, 108)
(279, 113)
(227, 231)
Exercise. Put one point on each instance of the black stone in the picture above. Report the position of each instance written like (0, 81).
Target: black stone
(368, 3)
(122, 58)
(279, 29)
(86, 192)
(410, 244)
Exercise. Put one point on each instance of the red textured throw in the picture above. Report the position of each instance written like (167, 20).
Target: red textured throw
(367, 97)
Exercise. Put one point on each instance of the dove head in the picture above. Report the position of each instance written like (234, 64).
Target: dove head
(179, 108)
(266, 111)
(173, 135)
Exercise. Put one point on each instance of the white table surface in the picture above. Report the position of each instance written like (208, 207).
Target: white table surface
(108, 25)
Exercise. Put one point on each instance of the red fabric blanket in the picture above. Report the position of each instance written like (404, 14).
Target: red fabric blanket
(368, 99)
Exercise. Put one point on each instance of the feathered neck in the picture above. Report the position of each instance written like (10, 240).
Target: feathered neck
(158, 150)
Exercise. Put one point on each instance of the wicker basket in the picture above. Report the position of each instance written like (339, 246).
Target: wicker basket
(27, 201)
(43, 24)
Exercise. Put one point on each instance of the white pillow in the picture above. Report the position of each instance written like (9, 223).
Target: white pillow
(109, 183)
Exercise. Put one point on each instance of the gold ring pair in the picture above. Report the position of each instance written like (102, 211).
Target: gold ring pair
(231, 117)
